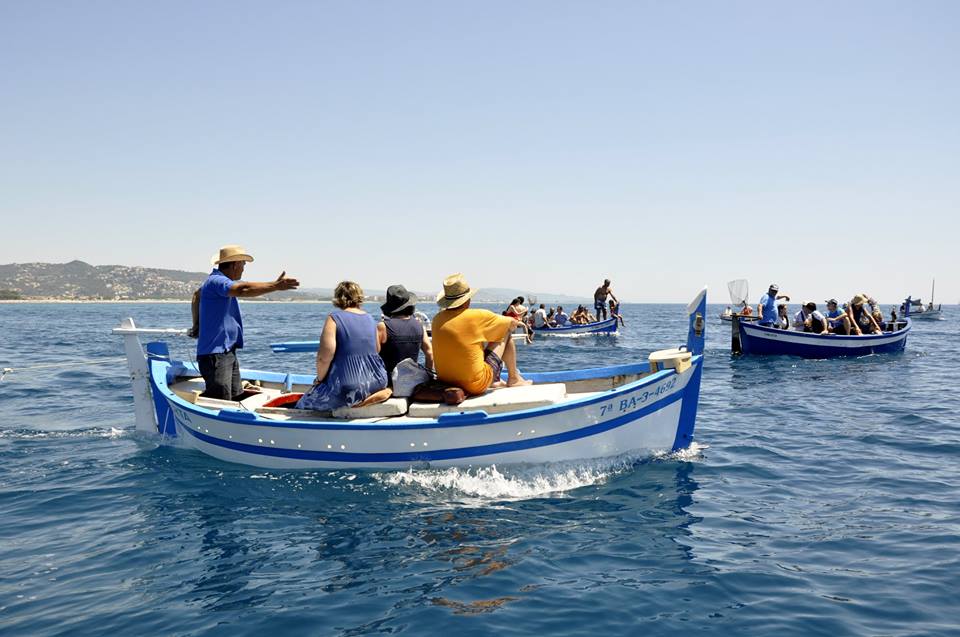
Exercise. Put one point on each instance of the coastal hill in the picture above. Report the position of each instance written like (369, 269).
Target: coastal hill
(81, 281)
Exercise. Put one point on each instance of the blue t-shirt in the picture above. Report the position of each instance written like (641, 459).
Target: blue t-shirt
(769, 304)
(221, 328)
(834, 316)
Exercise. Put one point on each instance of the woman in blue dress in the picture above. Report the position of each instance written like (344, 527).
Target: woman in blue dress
(350, 371)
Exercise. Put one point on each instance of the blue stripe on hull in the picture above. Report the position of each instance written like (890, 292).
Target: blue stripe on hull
(449, 454)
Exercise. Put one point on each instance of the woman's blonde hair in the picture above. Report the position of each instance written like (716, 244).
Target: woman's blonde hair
(348, 294)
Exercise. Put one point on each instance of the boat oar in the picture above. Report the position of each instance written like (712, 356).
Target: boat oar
(96, 361)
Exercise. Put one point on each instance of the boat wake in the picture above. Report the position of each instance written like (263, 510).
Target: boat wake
(40, 434)
(524, 482)
(584, 335)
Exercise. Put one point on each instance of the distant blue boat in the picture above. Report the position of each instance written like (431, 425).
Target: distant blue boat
(759, 339)
(608, 326)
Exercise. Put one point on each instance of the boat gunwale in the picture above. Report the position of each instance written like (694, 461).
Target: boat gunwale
(469, 418)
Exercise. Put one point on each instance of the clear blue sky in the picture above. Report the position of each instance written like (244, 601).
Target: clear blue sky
(536, 145)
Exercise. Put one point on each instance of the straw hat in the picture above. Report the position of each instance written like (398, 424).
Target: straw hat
(859, 299)
(456, 292)
(230, 253)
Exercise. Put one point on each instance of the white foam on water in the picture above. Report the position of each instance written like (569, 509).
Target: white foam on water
(693, 453)
(585, 335)
(514, 483)
(40, 434)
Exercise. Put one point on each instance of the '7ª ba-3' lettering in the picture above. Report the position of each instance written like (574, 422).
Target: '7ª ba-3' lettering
(634, 402)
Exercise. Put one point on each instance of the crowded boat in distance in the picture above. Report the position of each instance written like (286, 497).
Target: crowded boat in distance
(860, 318)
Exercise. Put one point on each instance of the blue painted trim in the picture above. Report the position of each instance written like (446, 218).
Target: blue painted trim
(688, 411)
(696, 342)
(158, 352)
(444, 454)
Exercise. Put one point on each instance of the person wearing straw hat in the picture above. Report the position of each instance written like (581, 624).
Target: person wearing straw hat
(471, 346)
(860, 318)
(221, 327)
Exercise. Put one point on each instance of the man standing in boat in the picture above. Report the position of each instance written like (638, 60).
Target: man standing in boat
(767, 308)
(600, 299)
(221, 328)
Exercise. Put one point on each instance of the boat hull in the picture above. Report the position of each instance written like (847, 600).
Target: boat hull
(656, 413)
(761, 340)
(934, 315)
(609, 326)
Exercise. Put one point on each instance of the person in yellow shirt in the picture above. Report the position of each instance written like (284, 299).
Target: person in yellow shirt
(470, 346)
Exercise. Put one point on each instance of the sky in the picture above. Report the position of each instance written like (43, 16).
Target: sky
(534, 145)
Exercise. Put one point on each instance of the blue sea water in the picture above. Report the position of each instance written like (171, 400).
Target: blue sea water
(820, 498)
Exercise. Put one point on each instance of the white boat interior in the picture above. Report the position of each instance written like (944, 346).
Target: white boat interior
(501, 400)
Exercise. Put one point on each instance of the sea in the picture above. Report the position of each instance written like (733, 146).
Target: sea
(820, 497)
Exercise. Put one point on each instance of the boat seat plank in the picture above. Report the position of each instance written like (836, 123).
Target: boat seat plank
(496, 401)
(386, 409)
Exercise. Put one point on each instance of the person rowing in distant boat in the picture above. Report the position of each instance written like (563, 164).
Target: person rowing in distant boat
(837, 320)
(615, 311)
(583, 316)
(800, 318)
(540, 318)
(815, 321)
(600, 299)
(861, 319)
(220, 325)
(783, 320)
(561, 317)
(767, 308)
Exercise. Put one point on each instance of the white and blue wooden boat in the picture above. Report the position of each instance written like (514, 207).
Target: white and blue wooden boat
(641, 407)
(760, 339)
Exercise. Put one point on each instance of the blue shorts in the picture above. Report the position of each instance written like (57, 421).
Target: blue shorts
(599, 306)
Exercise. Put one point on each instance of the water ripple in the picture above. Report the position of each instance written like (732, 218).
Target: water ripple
(820, 498)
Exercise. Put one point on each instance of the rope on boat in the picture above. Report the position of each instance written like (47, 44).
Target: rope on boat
(92, 361)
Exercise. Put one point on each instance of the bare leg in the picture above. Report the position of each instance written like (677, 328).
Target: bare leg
(507, 351)
(375, 397)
